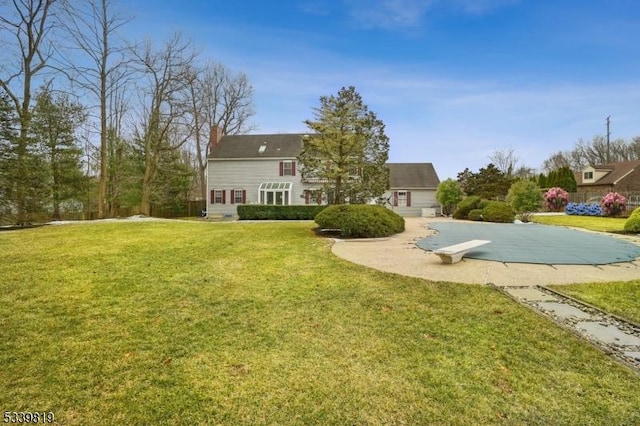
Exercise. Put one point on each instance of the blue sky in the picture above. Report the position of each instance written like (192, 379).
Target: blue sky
(453, 80)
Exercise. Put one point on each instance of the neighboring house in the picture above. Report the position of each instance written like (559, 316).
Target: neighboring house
(263, 169)
(413, 188)
(622, 177)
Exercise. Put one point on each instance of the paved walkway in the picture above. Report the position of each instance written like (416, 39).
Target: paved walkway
(399, 254)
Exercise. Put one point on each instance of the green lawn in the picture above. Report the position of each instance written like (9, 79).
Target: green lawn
(620, 298)
(593, 223)
(258, 323)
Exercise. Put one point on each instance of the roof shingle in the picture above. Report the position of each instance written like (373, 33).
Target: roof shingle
(248, 146)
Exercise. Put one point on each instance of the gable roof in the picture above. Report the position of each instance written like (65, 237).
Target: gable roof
(249, 146)
(617, 172)
(412, 175)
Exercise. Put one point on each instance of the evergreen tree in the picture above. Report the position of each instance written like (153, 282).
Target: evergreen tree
(542, 181)
(347, 150)
(8, 134)
(54, 124)
(566, 180)
(489, 183)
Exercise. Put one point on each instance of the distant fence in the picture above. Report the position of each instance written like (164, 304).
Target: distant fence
(633, 198)
(187, 209)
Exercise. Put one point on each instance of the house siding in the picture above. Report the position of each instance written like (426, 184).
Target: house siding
(630, 184)
(420, 199)
(248, 175)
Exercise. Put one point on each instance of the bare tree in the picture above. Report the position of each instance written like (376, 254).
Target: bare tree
(218, 99)
(599, 152)
(505, 160)
(556, 161)
(634, 148)
(118, 147)
(93, 27)
(164, 125)
(30, 23)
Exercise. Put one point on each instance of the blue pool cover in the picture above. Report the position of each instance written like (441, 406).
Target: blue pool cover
(532, 243)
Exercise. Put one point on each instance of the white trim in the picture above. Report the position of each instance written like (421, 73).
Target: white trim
(274, 192)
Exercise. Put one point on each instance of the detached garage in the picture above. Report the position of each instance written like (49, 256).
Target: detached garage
(413, 188)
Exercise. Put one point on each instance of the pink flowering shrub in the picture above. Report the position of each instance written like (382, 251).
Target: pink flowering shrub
(556, 199)
(613, 204)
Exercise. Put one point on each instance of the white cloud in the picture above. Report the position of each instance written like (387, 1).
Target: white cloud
(480, 7)
(388, 14)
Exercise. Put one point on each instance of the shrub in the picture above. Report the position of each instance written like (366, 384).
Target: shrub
(583, 209)
(498, 211)
(361, 220)
(556, 199)
(613, 204)
(267, 212)
(465, 206)
(524, 197)
(448, 195)
(475, 214)
(632, 224)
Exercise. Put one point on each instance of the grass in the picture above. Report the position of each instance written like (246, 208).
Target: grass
(620, 298)
(258, 323)
(592, 223)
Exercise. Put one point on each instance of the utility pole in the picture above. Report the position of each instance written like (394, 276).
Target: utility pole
(608, 138)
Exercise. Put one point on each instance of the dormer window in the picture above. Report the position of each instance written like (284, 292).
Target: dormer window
(587, 176)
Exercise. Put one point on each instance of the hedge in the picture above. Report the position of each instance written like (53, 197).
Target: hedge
(498, 211)
(632, 224)
(361, 220)
(467, 204)
(267, 212)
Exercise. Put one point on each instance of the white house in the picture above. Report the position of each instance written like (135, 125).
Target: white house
(263, 169)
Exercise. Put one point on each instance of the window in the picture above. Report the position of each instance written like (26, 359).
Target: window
(355, 171)
(313, 196)
(238, 196)
(287, 168)
(588, 175)
(217, 196)
(402, 198)
(275, 193)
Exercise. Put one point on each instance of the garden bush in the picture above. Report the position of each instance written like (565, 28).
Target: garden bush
(583, 209)
(475, 214)
(498, 211)
(613, 204)
(267, 212)
(556, 199)
(632, 224)
(361, 220)
(524, 197)
(466, 205)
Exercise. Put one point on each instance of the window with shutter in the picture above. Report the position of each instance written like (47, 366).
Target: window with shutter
(217, 196)
(287, 168)
(402, 198)
(238, 196)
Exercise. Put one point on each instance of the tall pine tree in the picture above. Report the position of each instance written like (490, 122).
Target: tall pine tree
(55, 122)
(347, 149)
(8, 135)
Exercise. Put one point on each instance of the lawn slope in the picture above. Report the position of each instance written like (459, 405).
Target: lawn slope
(258, 323)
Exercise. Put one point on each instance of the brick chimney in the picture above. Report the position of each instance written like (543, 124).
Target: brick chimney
(214, 138)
